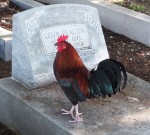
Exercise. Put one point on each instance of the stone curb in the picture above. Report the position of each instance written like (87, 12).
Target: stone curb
(5, 44)
(126, 22)
(26, 4)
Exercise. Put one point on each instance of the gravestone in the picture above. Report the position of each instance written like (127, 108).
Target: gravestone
(36, 30)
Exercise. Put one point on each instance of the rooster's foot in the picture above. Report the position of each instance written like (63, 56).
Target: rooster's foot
(77, 117)
(69, 112)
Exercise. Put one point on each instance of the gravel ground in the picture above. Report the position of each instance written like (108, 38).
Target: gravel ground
(5, 69)
(134, 55)
(7, 9)
(6, 131)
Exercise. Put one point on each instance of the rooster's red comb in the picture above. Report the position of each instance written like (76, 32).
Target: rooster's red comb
(62, 38)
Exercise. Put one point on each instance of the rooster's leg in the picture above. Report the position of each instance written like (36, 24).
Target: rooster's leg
(69, 112)
(77, 117)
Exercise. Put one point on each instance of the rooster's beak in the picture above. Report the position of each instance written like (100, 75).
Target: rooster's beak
(56, 44)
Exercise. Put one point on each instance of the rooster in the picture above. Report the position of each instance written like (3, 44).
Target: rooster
(80, 84)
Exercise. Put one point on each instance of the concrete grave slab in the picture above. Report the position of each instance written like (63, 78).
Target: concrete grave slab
(26, 4)
(36, 31)
(38, 112)
(5, 44)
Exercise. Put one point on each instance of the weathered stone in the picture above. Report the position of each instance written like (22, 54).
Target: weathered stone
(36, 31)
(5, 44)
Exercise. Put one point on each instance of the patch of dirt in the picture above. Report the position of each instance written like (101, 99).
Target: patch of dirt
(7, 9)
(134, 55)
(5, 69)
(6, 131)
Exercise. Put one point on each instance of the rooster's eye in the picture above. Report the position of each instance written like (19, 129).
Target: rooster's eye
(64, 46)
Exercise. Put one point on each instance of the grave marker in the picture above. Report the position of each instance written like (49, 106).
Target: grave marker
(36, 31)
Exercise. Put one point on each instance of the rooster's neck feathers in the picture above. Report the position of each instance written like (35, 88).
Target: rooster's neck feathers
(69, 61)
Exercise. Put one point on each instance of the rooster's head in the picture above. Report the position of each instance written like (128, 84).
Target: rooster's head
(61, 45)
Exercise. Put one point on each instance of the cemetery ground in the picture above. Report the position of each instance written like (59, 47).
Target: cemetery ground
(134, 55)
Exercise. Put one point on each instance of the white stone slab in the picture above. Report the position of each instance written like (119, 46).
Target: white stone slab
(36, 31)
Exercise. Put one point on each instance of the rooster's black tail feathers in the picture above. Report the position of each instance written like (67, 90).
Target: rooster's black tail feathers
(107, 78)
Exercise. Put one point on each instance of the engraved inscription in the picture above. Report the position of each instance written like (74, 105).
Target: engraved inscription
(78, 37)
(87, 16)
(86, 52)
(83, 54)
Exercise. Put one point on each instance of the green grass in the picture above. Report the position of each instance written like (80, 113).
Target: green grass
(136, 7)
(132, 5)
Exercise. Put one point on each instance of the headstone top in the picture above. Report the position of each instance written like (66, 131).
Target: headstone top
(37, 30)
